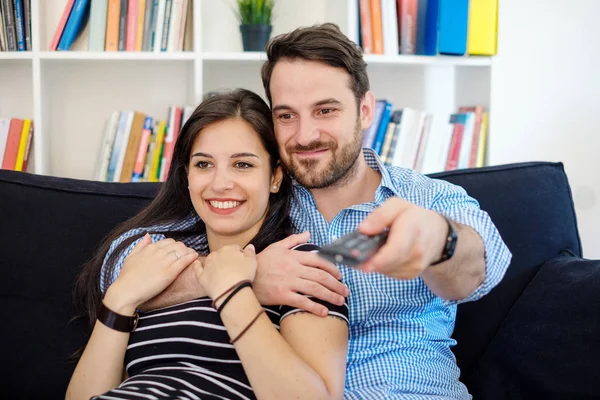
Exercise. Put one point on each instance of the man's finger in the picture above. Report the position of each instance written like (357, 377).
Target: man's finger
(316, 261)
(306, 304)
(383, 216)
(294, 240)
(395, 251)
(146, 240)
(319, 291)
(325, 279)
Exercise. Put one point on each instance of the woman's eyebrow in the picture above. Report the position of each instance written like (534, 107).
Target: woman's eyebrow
(236, 155)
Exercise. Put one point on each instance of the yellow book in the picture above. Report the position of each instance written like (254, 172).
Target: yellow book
(156, 156)
(140, 25)
(482, 140)
(482, 37)
(23, 145)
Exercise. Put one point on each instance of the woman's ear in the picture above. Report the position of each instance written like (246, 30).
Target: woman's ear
(276, 179)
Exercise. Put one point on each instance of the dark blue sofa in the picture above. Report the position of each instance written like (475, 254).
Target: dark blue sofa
(537, 335)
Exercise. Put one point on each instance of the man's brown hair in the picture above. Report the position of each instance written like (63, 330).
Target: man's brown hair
(322, 43)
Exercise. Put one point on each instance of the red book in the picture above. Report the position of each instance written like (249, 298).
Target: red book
(132, 20)
(478, 110)
(12, 144)
(459, 128)
(170, 139)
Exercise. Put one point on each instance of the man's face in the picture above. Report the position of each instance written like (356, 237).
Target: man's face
(316, 119)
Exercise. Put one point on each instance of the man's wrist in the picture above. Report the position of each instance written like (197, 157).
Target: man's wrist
(449, 244)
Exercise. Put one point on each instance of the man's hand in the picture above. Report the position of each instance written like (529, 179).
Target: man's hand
(285, 276)
(415, 240)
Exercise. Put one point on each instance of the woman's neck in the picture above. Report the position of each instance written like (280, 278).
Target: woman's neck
(216, 240)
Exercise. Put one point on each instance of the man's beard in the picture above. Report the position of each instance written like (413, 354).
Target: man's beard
(340, 169)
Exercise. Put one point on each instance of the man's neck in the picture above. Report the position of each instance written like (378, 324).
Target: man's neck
(359, 188)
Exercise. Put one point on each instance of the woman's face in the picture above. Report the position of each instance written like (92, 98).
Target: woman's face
(230, 180)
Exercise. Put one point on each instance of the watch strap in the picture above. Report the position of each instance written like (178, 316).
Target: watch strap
(118, 322)
(450, 245)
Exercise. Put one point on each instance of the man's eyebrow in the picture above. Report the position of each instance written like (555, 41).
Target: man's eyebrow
(236, 155)
(285, 107)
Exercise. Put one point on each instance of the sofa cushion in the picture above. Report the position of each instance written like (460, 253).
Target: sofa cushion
(532, 207)
(548, 347)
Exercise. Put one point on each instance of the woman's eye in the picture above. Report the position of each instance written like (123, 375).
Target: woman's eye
(202, 164)
(243, 165)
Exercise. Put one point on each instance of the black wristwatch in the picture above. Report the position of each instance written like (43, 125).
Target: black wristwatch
(118, 322)
(450, 245)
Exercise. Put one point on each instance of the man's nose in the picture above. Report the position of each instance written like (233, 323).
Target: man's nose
(307, 132)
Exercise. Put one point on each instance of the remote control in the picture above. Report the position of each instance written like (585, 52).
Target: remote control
(353, 249)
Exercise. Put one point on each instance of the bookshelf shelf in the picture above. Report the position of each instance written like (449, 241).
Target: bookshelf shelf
(16, 55)
(116, 56)
(71, 94)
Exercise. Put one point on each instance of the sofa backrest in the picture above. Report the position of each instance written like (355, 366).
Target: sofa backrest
(50, 226)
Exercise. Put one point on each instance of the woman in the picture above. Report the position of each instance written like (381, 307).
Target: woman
(225, 175)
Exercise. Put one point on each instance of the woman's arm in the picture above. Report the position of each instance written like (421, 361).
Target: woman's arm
(147, 271)
(306, 361)
(101, 365)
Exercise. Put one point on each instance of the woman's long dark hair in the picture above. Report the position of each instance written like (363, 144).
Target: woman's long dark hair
(172, 202)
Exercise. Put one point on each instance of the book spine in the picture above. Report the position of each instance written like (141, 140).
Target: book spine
(147, 33)
(158, 26)
(123, 25)
(131, 32)
(74, 24)
(98, 23)
(139, 35)
(112, 25)
(140, 160)
(28, 147)
(4, 127)
(382, 128)
(3, 46)
(22, 145)
(408, 15)
(27, 23)
(12, 144)
(19, 25)
(9, 25)
(166, 25)
(366, 31)
(376, 25)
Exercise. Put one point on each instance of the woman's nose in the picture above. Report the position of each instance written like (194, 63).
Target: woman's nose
(222, 181)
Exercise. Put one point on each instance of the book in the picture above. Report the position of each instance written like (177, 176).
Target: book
(98, 22)
(133, 144)
(376, 27)
(481, 148)
(389, 23)
(4, 127)
(106, 148)
(75, 24)
(123, 9)
(8, 13)
(482, 38)
(12, 144)
(113, 16)
(452, 26)
(382, 128)
(458, 121)
(19, 24)
(370, 133)
(61, 25)
(25, 132)
(407, 17)
(132, 23)
(365, 27)
(140, 160)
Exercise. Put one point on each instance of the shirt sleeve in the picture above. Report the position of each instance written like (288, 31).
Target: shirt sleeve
(454, 202)
(105, 282)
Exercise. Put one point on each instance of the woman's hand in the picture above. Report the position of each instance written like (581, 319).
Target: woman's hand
(146, 272)
(225, 267)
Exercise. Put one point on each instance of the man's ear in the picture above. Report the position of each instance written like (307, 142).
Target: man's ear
(276, 179)
(367, 110)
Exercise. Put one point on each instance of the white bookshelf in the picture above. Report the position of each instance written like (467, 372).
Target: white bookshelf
(70, 95)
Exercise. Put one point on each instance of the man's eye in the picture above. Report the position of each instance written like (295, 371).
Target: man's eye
(285, 116)
(202, 164)
(243, 165)
(326, 110)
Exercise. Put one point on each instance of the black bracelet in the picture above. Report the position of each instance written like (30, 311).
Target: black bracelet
(237, 289)
(450, 245)
(118, 322)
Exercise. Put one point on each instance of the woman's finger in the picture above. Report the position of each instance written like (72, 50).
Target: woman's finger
(146, 240)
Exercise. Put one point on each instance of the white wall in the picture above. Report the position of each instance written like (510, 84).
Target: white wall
(546, 97)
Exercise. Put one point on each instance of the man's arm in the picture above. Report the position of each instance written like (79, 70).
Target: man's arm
(417, 236)
(281, 276)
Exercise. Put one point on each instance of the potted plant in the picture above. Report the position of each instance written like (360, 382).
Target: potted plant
(255, 23)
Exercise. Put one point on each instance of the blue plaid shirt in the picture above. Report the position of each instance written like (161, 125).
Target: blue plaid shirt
(399, 330)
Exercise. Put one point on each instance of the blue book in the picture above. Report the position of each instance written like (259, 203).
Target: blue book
(453, 26)
(430, 28)
(75, 24)
(118, 146)
(20, 25)
(382, 128)
(370, 133)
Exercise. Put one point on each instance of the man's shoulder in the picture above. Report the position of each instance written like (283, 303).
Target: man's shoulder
(412, 185)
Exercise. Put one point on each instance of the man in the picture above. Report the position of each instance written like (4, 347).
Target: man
(441, 249)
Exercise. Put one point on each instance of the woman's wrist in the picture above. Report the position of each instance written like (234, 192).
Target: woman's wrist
(116, 304)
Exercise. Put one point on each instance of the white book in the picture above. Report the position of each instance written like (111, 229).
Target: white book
(160, 21)
(467, 141)
(423, 143)
(438, 145)
(389, 23)
(4, 127)
(175, 25)
(106, 148)
(123, 147)
(407, 145)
